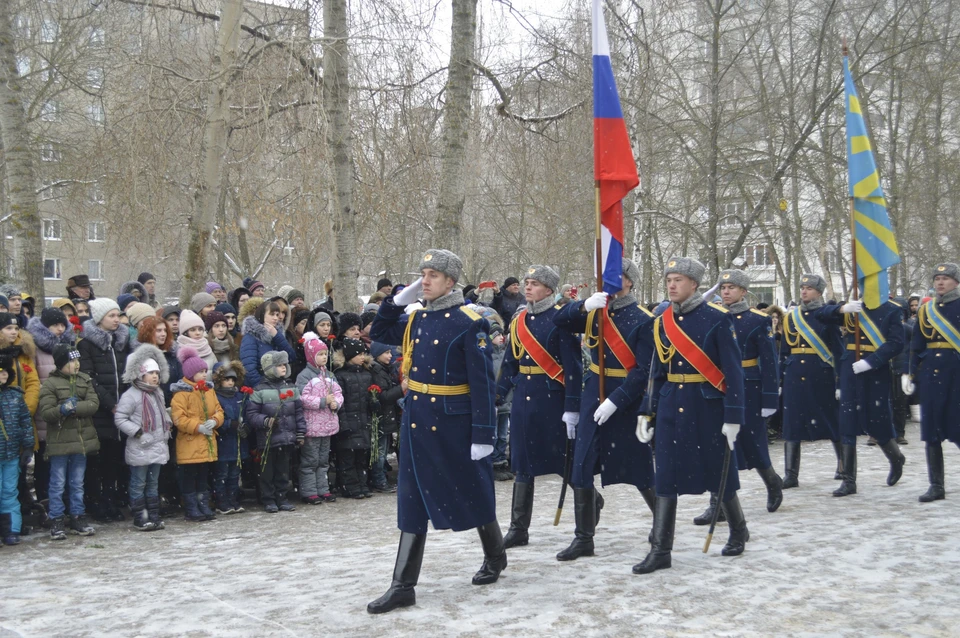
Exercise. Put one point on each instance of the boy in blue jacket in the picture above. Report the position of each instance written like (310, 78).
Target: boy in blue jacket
(16, 448)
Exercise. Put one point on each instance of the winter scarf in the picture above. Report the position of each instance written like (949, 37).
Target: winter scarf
(740, 306)
(953, 295)
(535, 308)
(219, 346)
(451, 300)
(201, 345)
(624, 301)
(813, 305)
(688, 305)
(154, 411)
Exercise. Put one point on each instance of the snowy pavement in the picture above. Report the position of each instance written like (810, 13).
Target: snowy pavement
(875, 564)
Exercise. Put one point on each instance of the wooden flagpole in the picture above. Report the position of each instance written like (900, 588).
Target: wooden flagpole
(599, 250)
(853, 246)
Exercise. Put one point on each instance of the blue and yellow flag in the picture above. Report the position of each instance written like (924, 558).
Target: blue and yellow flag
(873, 237)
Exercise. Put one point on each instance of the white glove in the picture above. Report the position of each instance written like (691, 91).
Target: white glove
(604, 412)
(409, 294)
(207, 427)
(644, 429)
(906, 383)
(571, 419)
(595, 301)
(836, 394)
(731, 430)
(478, 451)
(765, 412)
(861, 366)
(412, 308)
(852, 306)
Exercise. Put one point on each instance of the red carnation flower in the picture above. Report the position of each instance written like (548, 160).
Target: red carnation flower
(202, 386)
(246, 390)
(27, 368)
(374, 388)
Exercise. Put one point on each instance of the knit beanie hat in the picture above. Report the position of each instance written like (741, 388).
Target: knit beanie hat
(254, 286)
(351, 348)
(211, 319)
(145, 277)
(283, 290)
(271, 360)
(64, 354)
(226, 309)
(201, 300)
(292, 294)
(100, 306)
(321, 316)
(213, 286)
(377, 349)
(384, 282)
(9, 291)
(509, 281)
(191, 362)
(4, 302)
(190, 319)
(125, 300)
(367, 318)
(171, 310)
(138, 312)
(301, 315)
(347, 320)
(7, 319)
(52, 316)
(312, 345)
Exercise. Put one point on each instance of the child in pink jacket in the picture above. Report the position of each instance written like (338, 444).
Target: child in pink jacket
(321, 397)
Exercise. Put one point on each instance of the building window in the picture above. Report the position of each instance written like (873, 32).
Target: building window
(95, 269)
(96, 194)
(51, 190)
(288, 249)
(95, 78)
(23, 65)
(51, 269)
(831, 261)
(757, 255)
(95, 113)
(49, 32)
(732, 214)
(97, 37)
(52, 230)
(50, 153)
(11, 268)
(50, 111)
(22, 26)
(97, 231)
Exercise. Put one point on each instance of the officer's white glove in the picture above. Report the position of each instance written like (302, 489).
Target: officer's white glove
(412, 308)
(644, 429)
(836, 394)
(765, 412)
(571, 419)
(478, 451)
(604, 412)
(409, 294)
(906, 383)
(207, 427)
(731, 430)
(852, 306)
(861, 366)
(596, 301)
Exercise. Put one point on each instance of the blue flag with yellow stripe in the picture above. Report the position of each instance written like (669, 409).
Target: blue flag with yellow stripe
(873, 236)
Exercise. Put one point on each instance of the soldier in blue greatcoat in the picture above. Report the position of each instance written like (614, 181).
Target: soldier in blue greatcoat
(544, 368)
(935, 369)
(865, 406)
(809, 380)
(605, 439)
(697, 403)
(449, 423)
(761, 397)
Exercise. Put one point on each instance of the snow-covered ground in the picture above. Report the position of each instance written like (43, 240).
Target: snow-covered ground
(875, 564)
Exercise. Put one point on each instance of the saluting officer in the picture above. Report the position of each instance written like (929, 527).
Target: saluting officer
(697, 401)
(449, 423)
(544, 367)
(605, 440)
(865, 384)
(810, 392)
(935, 364)
(761, 396)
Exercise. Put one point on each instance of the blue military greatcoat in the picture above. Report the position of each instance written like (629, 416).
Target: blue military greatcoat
(612, 449)
(690, 415)
(538, 436)
(810, 409)
(437, 480)
(761, 379)
(865, 406)
(935, 366)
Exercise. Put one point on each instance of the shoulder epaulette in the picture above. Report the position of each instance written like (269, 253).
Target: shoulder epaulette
(470, 313)
(557, 307)
(644, 310)
(759, 312)
(717, 306)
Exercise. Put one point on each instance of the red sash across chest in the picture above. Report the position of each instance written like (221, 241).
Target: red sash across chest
(692, 352)
(536, 350)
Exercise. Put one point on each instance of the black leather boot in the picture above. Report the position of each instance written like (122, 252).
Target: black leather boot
(791, 464)
(739, 534)
(585, 511)
(838, 450)
(937, 491)
(494, 554)
(849, 485)
(599, 506)
(406, 572)
(520, 513)
(897, 460)
(650, 497)
(664, 522)
(707, 517)
(774, 488)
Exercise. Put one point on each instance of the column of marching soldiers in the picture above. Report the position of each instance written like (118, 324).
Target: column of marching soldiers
(690, 385)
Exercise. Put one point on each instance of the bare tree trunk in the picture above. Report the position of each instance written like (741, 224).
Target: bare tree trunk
(456, 119)
(213, 148)
(713, 160)
(19, 173)
(336, 104)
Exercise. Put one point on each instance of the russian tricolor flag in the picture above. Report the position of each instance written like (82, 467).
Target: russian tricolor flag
(613, 165)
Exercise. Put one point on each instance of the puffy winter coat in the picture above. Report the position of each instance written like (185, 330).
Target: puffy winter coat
(72, 434)
(176, 370)
(188, 413)
(46, 341)
(256, 343)
(229, 443)
(357, 408)
(149, 447)
(103, 356)
(17, 425)
(23, 351)
(265, 403)
(390, 394)
(321, 420)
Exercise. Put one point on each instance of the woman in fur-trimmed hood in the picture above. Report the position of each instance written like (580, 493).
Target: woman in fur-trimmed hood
(136, 289)
(262, 333)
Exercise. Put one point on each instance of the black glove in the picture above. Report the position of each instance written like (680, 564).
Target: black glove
(243, 430)
(25, 456)
(300, 438)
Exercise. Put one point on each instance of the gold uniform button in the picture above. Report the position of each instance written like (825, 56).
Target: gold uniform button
(935, 371)
(433, 400)
(434, 428)
(415, 397)
(414, 368)
(413, 426)
(679, 363)
(436, 341)
(681, 409)
(529, 377)
(680, 318)
(417, 340)
(528, 398)
(680, 386)
(739, 316)
(801, 360)
(937, 355)
(424, 315)
(433, 371)
(445, 315)
(803, 378)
